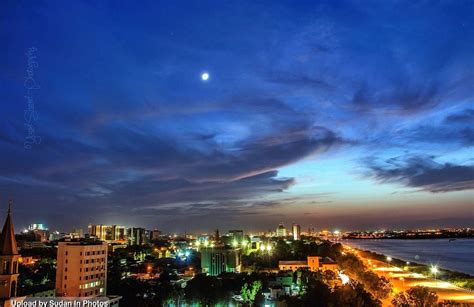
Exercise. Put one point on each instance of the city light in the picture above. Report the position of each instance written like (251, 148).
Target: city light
(344, 278)
(235, 243)
(434, 270)
(389, 258)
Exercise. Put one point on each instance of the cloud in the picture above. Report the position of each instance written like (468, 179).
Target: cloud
(398, 99)
(424, 173)
(464, 117)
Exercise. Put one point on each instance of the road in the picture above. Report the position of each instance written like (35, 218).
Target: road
(403, 280)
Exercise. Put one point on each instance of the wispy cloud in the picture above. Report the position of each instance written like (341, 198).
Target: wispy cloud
(424, 173)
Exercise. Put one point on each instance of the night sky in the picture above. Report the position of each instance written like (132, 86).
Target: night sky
(338, 115)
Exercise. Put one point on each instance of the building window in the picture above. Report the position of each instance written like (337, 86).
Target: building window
(6, 267)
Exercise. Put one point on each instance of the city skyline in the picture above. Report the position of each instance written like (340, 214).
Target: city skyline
(201, 116)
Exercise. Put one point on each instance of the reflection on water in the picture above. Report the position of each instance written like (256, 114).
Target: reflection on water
(457, 255)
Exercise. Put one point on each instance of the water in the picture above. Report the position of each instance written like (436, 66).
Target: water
(457, 255)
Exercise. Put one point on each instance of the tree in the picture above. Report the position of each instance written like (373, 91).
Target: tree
(249, 293)
(354, 297)
(330, 278)
(401, 300)
(420, 296)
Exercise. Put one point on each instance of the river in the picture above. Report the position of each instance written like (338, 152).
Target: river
(456, 255)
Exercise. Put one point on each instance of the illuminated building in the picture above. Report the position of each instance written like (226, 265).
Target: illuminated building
(37, 227)
(217, 260)
(292, 265)
(137, 236)
(108, 233)
(237, 235)
(313, 263)
(81, 268)
(76, 234)
(296, 229)
(9, 259)
(281, 231)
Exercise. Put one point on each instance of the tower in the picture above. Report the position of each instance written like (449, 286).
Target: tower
(8, 261)
(296, 232)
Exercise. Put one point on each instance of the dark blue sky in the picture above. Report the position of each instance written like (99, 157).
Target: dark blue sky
(332, 114)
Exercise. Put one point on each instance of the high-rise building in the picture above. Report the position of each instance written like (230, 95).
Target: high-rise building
(281, 231)
(81, 268)
(137, 236)
(217, 260)
(9, 258)
(109, 233)
(119, 233)
(155, 234)
(296, 229)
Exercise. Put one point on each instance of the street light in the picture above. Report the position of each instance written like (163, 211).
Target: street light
(389, 259)
(434, 270)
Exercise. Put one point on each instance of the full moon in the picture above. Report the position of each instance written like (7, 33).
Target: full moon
(205, 76)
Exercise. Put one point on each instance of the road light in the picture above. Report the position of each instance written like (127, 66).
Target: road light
(434, 270)
(389, 259)
(344, 278)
